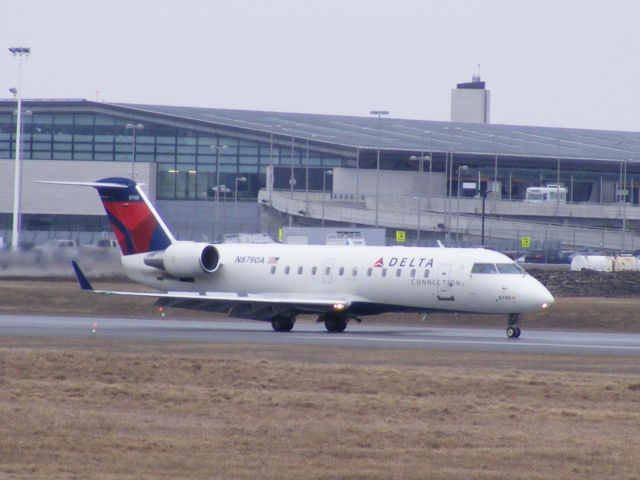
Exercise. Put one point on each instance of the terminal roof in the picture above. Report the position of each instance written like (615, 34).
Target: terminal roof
(388, 133)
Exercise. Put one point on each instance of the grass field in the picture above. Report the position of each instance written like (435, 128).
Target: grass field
(117, 410)
(114, 411)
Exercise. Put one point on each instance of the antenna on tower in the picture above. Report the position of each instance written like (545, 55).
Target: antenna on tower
(476, 77)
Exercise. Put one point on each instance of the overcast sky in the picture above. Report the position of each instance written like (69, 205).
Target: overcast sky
(567, 63)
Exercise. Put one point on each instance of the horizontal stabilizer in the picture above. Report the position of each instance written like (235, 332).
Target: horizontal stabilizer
(85, 184)
(82, 280)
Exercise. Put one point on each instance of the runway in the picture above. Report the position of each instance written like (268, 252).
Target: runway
(541, 342)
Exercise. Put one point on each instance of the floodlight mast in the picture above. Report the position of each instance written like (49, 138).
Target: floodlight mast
(379, 114)
(19, 53)
(133, 127)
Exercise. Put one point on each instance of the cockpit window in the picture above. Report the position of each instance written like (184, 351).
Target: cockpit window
(483, 268)
(509, 268)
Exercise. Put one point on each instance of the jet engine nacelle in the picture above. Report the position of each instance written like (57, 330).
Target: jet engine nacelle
(185, 259)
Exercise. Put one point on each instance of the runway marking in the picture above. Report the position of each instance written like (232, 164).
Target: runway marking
(474, 342)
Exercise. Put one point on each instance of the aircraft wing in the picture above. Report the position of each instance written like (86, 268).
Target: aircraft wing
(245, 305)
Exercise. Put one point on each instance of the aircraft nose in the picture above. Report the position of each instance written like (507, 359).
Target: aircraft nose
(537, 296)
(546, 299)
(541, 296)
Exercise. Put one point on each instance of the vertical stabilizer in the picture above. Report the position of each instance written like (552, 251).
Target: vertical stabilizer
(135, 223)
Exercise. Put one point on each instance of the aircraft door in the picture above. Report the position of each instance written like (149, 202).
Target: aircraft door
(444, 282)
(327, 270)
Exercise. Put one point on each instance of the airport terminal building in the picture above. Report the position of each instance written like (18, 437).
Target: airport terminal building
(213, 172)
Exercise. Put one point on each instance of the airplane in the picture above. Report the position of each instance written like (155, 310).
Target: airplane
(276, 282)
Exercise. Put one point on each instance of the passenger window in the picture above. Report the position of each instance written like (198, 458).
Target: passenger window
(273, 269)
(369, 270)
(314, 270)
(398, 272)
(355, 271)
(483, 268)
(384, 272)
(327, 271)
(299, 270)
(413, 272)
(341, 271)
(426, 273)
(287, 269)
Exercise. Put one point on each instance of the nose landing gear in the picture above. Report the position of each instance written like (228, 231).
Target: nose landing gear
(513, 330)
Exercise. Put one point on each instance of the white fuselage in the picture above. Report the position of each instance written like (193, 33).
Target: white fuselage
(372, 279)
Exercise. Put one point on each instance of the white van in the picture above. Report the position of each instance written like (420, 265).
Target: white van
(549, 193)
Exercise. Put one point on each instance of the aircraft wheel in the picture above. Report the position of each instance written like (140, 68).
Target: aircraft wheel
(513, 331)
(282, 324)
(335, 324)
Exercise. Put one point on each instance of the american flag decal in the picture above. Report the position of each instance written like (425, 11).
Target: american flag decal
(272, 260)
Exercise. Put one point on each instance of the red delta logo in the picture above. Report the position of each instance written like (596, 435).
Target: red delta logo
(379, 263)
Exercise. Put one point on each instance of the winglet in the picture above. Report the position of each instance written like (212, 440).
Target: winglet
(82, 280)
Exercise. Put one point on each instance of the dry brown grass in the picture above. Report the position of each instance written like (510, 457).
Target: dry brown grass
(114, 410)
(93, 409)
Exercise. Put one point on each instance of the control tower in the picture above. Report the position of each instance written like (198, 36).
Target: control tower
(470, 102)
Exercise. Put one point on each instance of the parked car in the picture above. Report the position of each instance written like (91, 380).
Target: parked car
(547, 256)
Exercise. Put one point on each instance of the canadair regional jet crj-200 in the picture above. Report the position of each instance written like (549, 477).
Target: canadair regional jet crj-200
(274, 282)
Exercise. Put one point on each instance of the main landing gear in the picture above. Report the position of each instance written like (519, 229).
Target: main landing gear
(334, 322)
(282, 323)
(513, 330)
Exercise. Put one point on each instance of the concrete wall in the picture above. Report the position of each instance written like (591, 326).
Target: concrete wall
(195, 220)
(467, 227)
(61, 199)
(392, 182)
(318, 235)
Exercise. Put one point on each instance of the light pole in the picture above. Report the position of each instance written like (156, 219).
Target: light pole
(19, 53)
(292, 178)
(558, 183)
(418, 229)
(360, 130)
(430, 149)
(495, 170)
(624, 207)
(133, 128)
(324, 189)
(421, 158)
(223, 190)
(270, 180)
(217, 148)
(235, 203)
(483, 192)
(379, 113)
(306, 176)
(239, 180)
(461, 168)
(449, 175)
